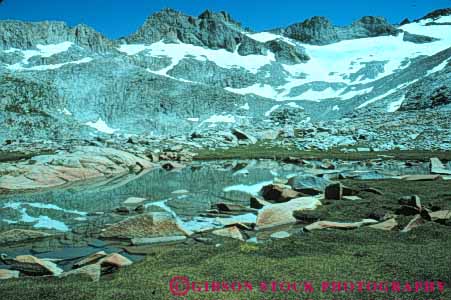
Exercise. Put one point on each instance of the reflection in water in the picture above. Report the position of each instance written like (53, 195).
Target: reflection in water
(206, 183)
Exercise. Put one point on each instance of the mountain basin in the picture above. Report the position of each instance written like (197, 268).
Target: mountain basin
(77, 214)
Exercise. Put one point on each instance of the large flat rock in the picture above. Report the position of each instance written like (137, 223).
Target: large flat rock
(281, 214)
(152, 224)
(82, 163)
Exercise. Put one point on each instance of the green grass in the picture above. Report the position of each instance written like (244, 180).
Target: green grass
(433, 195)
(363, 254)
(328, 255)
(266, 151)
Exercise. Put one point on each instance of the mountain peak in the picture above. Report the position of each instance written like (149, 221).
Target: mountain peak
(320, 31)
(210, 29)
(437, 13)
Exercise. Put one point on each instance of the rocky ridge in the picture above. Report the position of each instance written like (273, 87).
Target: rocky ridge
(194, 76)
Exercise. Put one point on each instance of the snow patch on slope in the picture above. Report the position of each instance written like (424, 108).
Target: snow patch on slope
(438, 67)
(395, 105)
(101, 126)
(220, 57)
(334, 63)
(388, 93)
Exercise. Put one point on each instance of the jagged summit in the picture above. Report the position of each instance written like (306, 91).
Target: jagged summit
(213, 30)
(320, 31)
(26, 35)
(437, 13)
(178, 72)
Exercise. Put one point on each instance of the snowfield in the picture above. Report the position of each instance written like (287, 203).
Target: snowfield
(221, 57)
(333, 63)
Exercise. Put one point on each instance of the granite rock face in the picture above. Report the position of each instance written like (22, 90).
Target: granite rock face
(25, 35)
(178, 75)
(210, 30)
(56, 170)
(320, 31)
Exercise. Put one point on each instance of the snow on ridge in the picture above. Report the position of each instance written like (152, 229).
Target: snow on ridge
(333, 62)
(269, 112)
(245, 106)
(294, 105)
(395, 105)
(388, 93)
(101, 126)
(19, 67)
(437, 31)
(51, 49)
(220, 119)
(352, 94)
(438, 67)
(220, 57)
(264, 37)
(43, 50)
(132, 49)
(263, 90)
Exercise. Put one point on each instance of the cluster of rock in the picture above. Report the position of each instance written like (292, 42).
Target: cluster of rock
(279, 210)
(91, 267)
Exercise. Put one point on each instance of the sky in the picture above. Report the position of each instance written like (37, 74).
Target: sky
(116, 18)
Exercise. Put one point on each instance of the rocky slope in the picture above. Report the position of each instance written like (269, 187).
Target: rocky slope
(179, 74)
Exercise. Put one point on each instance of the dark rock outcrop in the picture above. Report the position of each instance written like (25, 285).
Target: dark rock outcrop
(431, 91)
(26, 35)
(320, 31)
(437, 13)
(418, 39)
(286, 53)
(212, 30)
